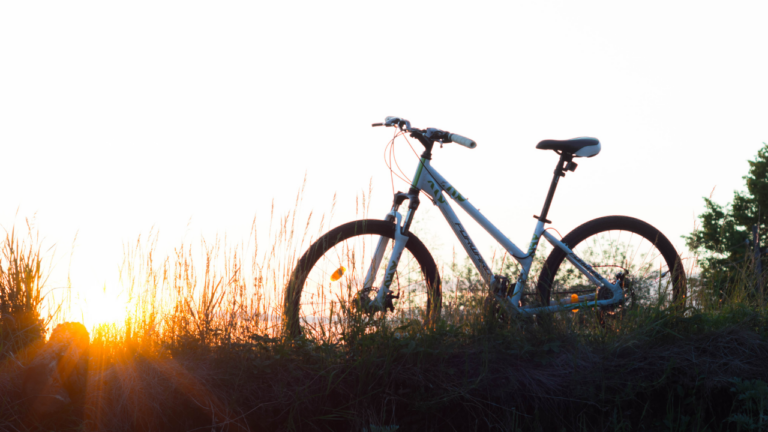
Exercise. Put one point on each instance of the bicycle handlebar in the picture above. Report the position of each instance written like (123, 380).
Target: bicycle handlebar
(458, 139)
(441, 136)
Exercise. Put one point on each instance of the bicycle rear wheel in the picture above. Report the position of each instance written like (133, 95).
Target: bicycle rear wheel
(652, 271)
(329, 276)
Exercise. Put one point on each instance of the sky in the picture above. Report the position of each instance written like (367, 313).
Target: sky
(193, 118)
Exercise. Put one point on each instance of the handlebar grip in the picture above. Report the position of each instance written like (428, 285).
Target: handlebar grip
(466, 142)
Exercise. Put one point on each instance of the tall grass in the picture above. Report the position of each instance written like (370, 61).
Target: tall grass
(214, 294)
(202, 349)
(23, 276)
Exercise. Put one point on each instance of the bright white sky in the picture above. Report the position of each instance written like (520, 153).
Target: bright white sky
(191, 117)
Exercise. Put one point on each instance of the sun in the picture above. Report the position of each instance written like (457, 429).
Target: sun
(103, 306)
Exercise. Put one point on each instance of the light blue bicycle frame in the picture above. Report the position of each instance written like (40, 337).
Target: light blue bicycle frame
(436, 186)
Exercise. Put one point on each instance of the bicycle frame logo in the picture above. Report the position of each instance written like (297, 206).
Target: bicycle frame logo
(472, 247)
(534, 243)
(436, 192)
(390, 275)
(447, 188)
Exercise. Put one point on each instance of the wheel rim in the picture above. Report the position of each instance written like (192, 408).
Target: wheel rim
(327, 305)
(649, 277)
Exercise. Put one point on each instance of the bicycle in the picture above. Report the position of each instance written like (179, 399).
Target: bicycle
(567, 282)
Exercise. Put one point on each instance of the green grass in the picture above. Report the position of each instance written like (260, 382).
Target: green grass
(202, 350)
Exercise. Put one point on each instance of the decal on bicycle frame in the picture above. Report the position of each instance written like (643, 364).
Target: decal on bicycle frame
(450, 190)
(436, 191)
(472, 247)
(534, 244)
(391, 274)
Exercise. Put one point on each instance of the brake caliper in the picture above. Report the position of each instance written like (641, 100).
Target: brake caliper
(388, 305)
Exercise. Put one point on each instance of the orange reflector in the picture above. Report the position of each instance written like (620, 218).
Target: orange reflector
(338, 274)
(574, 299)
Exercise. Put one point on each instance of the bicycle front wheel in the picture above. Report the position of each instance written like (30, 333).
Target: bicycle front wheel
(330, 275)
(651, 270)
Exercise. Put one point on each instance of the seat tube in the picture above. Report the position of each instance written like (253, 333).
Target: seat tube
(564, 158)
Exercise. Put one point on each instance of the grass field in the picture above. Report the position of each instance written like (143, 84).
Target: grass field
(202, 348)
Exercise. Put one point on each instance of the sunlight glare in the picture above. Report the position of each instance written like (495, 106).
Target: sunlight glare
(103, 306)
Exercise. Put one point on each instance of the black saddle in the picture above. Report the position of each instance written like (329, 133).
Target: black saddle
(579, 147)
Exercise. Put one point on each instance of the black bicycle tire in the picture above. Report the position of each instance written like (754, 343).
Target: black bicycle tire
(291, 302)
(608, 223)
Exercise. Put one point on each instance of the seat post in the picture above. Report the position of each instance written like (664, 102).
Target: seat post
(564, 164)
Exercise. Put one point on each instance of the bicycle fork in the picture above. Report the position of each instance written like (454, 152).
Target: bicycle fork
(383, 300)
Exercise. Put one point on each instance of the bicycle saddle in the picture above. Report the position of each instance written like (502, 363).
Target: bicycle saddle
(579, 147)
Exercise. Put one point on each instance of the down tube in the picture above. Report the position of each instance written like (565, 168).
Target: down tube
(437, 183)
(465, 240)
